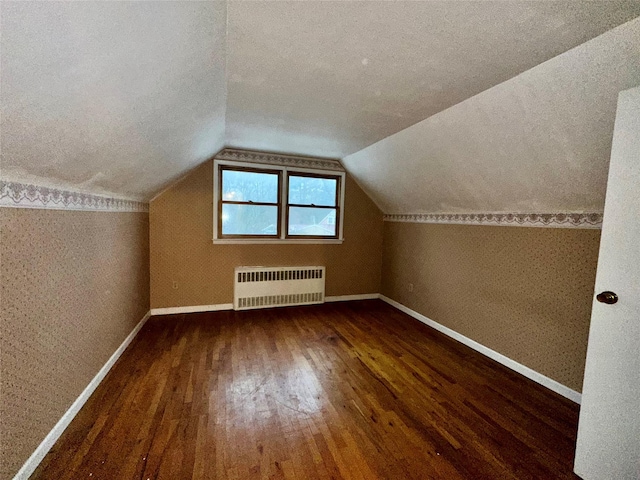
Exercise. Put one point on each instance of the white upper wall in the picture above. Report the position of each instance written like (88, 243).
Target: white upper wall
(119, 97)
(539, 142)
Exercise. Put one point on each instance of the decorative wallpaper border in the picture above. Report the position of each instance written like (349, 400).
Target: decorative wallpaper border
(278, 159)
(22, 195)
(553, 220)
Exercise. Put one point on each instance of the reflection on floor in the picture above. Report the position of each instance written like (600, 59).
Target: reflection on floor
(349, 390)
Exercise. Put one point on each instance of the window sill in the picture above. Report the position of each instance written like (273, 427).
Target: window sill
(277, 241)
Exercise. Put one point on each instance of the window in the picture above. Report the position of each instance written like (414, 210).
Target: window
(249, 206)
(263, 204)
(312, 205)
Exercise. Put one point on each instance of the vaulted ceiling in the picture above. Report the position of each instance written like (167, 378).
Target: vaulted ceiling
(331, 78)
(125, 97)
(539, 142)
(118, 97)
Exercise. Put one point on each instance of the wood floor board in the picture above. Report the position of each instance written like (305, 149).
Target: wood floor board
(355, 390)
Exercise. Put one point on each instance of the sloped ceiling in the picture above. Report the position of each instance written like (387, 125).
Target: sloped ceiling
(331, 78)
(539, 142)
(117, 97)
(125, 97)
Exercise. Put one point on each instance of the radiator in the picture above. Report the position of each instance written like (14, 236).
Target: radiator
(260, 287)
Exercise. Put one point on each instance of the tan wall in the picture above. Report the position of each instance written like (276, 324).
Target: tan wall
(182, 250)
(523, 292)
(74, 284)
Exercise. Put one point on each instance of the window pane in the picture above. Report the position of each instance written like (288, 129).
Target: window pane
(249, 186)
(316, 222)
(249, 220)
(312, 190)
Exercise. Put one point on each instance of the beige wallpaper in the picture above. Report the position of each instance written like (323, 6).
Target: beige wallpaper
(523, 292)
(73, 286)
(181, 229)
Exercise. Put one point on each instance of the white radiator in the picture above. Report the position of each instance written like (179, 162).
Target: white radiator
(260, 287)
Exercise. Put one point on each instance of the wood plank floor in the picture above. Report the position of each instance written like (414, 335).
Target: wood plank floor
(352, 390)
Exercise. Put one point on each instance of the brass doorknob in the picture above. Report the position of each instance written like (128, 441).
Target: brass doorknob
(607, 297)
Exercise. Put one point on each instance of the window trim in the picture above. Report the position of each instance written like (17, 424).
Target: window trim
(221, 203)
(282, 236)
(288, 205)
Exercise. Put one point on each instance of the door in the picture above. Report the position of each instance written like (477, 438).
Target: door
(609, 430)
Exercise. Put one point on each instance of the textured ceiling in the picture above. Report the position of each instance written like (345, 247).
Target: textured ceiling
(330, 78)
(125, 97)
(539, 142)
(115, 97)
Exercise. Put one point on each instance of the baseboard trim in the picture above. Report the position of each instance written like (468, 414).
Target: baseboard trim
(52, 437)
(492, 354)
(348, 298)
(192, 309)
(229, 306)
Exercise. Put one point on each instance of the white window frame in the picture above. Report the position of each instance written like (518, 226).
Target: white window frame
(283, 203)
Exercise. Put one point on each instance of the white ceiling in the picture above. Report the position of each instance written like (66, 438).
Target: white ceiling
(115, 97)
(330, 78)
(539, 142)
(125, 97)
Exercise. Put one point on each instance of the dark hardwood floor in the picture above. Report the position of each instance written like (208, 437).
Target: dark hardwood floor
(350, 390)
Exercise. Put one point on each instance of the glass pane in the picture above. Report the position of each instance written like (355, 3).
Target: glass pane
(249, 186)
(312, 190)
(317, 222)
(249, 220)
